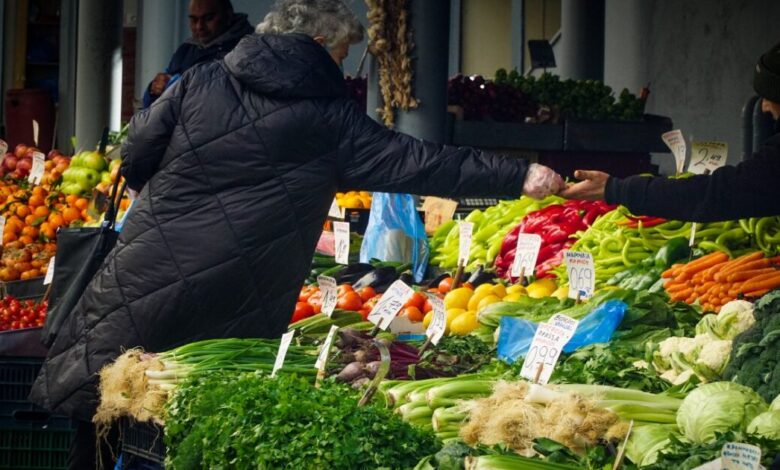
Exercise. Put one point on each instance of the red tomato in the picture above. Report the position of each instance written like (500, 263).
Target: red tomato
(364, 313)
(427, 307)
(307, 292)
(302, 310)
(417, 300)
(445, 285)
(366, 293)
(369, 304)
(350, 301)
(316, 301)
(413, 313)
(343, 289)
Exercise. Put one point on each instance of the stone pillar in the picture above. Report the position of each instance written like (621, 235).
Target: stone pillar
(581, 53)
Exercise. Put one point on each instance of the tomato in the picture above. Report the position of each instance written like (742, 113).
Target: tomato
(427, 307)
(343, 289)
(366, 293)
(302, 310)
(445, 285)
(369, 304)
(417, 300)
(350, 301)
(413, 313)
(364, 313)
(316, 301)
(307, 292)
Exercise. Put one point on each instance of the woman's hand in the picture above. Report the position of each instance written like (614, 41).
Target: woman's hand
(541, 181)
(591, 187)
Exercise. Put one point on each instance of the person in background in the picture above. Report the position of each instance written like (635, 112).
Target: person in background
(215, 31)
(749, 189)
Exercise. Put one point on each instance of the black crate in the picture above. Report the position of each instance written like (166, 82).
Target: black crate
(24, 343)
(145, 440)
(16, 411)
(508, 135)
(639, 136)
(27, 288)
(34, 449)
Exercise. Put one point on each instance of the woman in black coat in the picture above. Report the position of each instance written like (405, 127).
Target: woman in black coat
(237, 164)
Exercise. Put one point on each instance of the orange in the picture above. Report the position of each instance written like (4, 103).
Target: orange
(30, 219)
(41, 211)
(25, 240)
(84, 214)
(71, 199)
(30, 231)
(22, 210)
(36, 201)
(48, 165)
(124, 204)
(49, 232)
(8, 237)
(50, 247)
(56, 220)
(70, 214)
(39, 191)
(81, 203)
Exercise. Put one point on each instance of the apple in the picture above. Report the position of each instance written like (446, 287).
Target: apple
(87, 179)
(70, 188)
(105, 177)
(93, 161)
(61, 159)
(20, 150)
(24, 165)
(53, 153)
(76, 160)
(16, 174)
(10, 161)
(30, 152)
(69, 175)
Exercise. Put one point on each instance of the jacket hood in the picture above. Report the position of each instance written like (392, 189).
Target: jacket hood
(239, 27)
(285, 66)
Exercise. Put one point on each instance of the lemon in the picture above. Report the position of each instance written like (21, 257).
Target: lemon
(490, 299)
(458, 298)
(452, 314)
(541, 288)
(515, 289)
(547, 283)
(427, 319)
(464, 324)
(499, 290)
(483, 289)
(513, 297)
(561, 292)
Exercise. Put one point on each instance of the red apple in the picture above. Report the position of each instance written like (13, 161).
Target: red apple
(16, 175)
(53, 153)
(30, 152)
(10, 161)
(20, 150)
(24, 165)
(61, 159)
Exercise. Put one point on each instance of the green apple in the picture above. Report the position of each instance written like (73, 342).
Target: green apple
(105, 178)
(68, 176)
(77, 160)
(70, 188)
(114, 164)
(94, 161)
(87, 179)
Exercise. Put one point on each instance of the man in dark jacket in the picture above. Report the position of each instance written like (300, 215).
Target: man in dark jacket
(237, 164)
(749, 189)
(215, 31)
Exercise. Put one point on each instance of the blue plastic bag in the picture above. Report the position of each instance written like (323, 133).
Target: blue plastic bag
(515, 335)
(396, 233)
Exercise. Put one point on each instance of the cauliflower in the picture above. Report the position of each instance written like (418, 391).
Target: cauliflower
(734, 318)
(683, 377)
(713, 358)
(641, 365)
(675, 344)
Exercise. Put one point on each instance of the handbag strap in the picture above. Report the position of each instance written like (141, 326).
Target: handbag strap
(112, 211)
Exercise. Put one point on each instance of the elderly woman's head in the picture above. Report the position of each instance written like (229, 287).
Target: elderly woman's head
(329, 22)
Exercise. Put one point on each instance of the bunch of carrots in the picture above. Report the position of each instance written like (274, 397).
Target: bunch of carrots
(714, 280)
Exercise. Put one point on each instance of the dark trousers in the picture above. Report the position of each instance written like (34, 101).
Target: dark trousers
(83, 450)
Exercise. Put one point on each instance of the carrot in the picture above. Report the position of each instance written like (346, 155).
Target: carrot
(757, 293)
(673, 271)
(683, 294)
(724, 288)
(709, 273)
(676, 288)
(764, 281)
(705, 262)
(775, 260)
(736, 263)
(757, 264)
(705, 287)
(691, 299)
(746, 275)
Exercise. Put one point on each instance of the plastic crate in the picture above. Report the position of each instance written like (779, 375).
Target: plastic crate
(143, 440)
(16, 411)
(34, 449)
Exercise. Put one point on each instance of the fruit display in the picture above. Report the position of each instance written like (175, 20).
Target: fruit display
(354, 200)
(17, 314)
(88, 170)
(17, 164)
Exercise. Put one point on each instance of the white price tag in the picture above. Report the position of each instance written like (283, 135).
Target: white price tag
(676, 143)
(582, 275)
(49, 272)
(707, 157)
(567, 324)
(438, 211)
(544, 352)
(322, 358)
(390, 304)
(36, 131)
(438, 323)
(336, 211)
(3, 150)
(2, 226)
(526, 253)
(284, 345)
(692, 238)
(329, 294)
(739, 456)
(464, 242)
(36, 172)
(341, 237)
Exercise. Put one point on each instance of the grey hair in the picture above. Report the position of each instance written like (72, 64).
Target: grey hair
(331, 19)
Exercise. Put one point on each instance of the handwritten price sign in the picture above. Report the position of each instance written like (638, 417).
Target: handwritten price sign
(546, 348)
(341, 236)
(329, 294)
(708, 156)
(438, 323)
(390, 304)
(526, 253)
(676, 143)
(582, 275)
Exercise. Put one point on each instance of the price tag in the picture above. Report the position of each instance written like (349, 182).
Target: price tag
(36, 172)
(390, 304)
(49, 272)
(336, 211)
(3, 150)
(526, 253)
(707, 157)
(692, 239)
(322, 358)
(544, 352)
(341, 236)
(2, 226)
(676, 143)
(739, 456)
(329, 294)
(568, 324)
(464, 243)
(437, 211)
(438, 323)
(582, 275)
(36, 131)
(284, 345)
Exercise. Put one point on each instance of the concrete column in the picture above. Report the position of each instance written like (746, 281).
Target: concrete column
(626, 33)
(581, 53)
(158, 38)
(430, 24)
(66, 109)
(99, 42)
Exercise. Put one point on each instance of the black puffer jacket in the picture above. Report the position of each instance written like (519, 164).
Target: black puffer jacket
(239, 162)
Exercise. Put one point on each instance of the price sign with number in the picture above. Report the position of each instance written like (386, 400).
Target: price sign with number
(692, 238)
(567, 324)
(341, 236)
(544, 352)
(2, 226)
(707, 157)
(437, 211)
(284, 345)
(390, 304)
(49, 272)
(582, 275)
(676, 143)
(36, 172)
(329, 294)
(3, 150)
(736, 455)
(464, 243)
(336, 211)
(526, 253)
(438, 323)
(322, 358)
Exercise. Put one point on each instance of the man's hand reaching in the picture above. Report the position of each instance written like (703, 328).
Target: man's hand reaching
(591, 186)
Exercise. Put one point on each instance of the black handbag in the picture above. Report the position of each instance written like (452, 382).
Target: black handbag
(80, 252)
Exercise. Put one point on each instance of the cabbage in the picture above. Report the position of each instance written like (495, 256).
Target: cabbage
(775, 406)
(767, 425)
(646, 442)
(717, 407)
